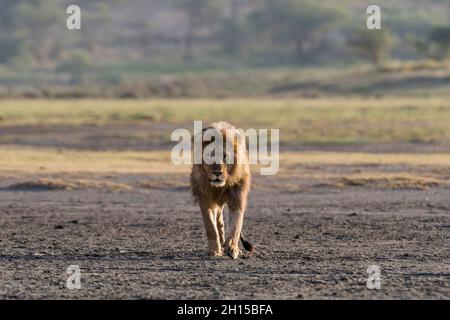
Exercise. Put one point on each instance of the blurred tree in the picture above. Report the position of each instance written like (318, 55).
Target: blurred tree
(77, 66)
(373, 45)
(231, 29)
(6, 17)
(14, 53)
(11, 45)
(421, 45)
(440, 37)
(434, 46)
(25, 26)
(298, 23)
(34, 18)
(198, 13)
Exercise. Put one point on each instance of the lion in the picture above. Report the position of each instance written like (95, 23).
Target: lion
(223, 183)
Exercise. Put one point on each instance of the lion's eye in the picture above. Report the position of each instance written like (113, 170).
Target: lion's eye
(226, 158)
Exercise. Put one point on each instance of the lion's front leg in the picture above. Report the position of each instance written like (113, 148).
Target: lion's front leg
(236, 218)
(220, 225)
(209, 220)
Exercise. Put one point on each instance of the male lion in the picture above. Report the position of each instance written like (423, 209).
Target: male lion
(221, 183)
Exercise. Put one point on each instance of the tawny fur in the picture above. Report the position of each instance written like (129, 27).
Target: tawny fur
(233, 193)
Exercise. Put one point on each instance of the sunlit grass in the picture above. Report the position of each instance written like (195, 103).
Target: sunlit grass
(325, 120)
(35, 160)
(54, 169)
(45, 161)
(359, 158)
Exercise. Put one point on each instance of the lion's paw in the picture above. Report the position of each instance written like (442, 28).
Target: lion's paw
(234, 252)
(215, 253)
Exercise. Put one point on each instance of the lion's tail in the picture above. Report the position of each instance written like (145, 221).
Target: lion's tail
(247, 244)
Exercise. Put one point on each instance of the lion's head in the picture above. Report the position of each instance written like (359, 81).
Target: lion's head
(222, 162)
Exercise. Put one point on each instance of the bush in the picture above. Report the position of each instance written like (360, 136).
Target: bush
(373, 45)
(440, 36)
(77, 66)
(13, 51)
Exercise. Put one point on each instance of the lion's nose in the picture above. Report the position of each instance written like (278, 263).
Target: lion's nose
(217, 173)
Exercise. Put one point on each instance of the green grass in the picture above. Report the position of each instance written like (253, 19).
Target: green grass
(325, 120)
(422, 78)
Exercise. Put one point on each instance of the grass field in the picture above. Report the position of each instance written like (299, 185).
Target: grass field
(330, 120)
(411, 79)
(32, 145)
(51, 169)
(56, 161)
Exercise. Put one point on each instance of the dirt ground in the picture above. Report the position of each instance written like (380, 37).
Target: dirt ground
(148, 242)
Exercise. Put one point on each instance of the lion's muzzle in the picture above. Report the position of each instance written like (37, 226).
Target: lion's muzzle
(217, 179)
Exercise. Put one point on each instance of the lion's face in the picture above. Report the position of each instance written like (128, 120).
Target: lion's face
(224, 162)
(218, 171)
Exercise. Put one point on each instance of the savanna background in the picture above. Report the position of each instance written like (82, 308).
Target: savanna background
(85, 123)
